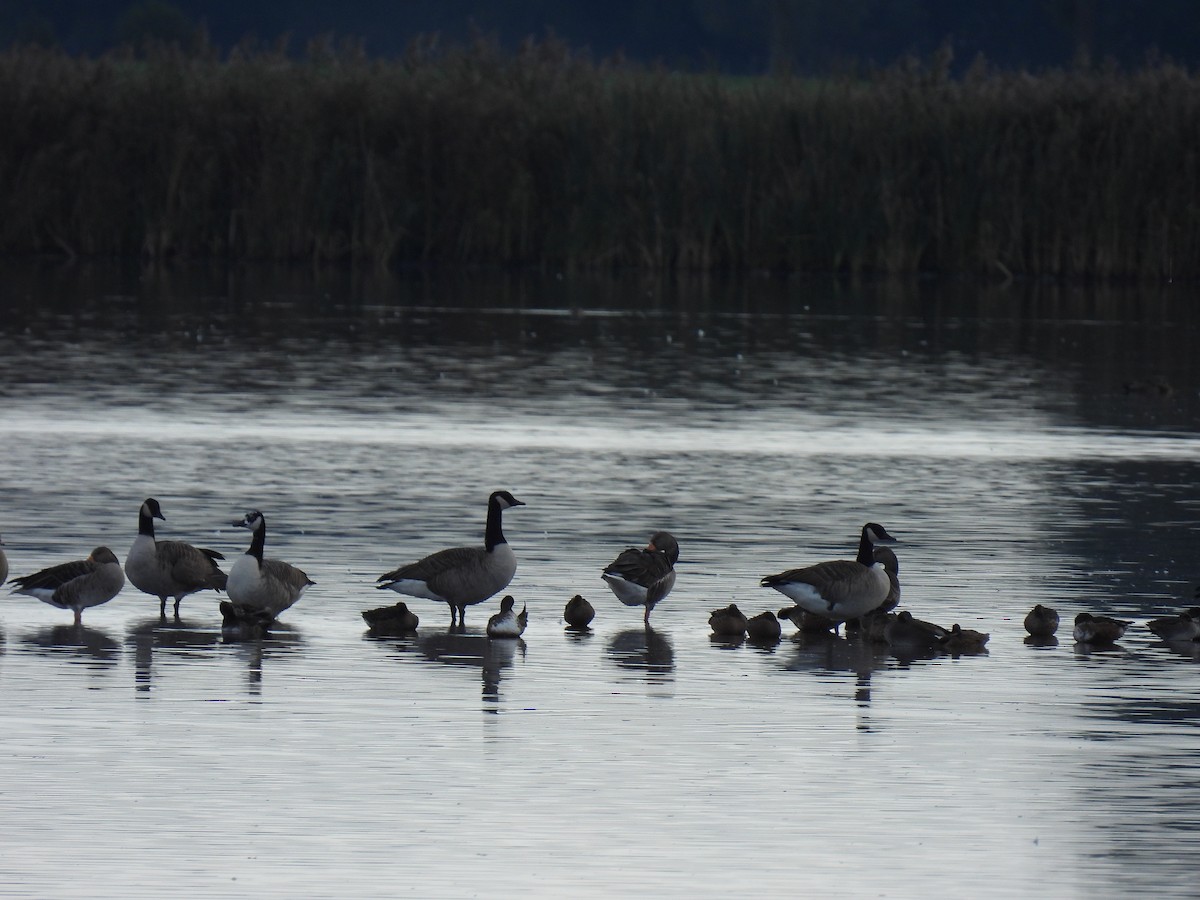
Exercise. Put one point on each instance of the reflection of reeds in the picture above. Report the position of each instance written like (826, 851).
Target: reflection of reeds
(472, 155)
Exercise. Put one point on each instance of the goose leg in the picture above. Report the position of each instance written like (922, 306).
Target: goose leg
(177, 599)
(162, 607)
(79, 617)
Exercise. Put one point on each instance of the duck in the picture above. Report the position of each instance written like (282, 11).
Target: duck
(462, 576)
(3, 564)
(267, 585)
(394, 619)
(809, 623)
(906, 631)
(644, 577)
(507, 623)
(245, 622)
(728, 622)
(1041, 621)
(763, 627)
(169, 568)
(579, 612)
(1183, 627)
(76, 585)
(1091, 629)
(965, 640)
(841, 589)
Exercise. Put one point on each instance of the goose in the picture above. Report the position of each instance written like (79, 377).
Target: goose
(507, 623)
(76, 585)
(394, 619)
(578, 612)
(462, 576)
(965, 640)
(763, 627)
(906, 631)
(1183, 627)
(169, 568)
(264, 585)
(728, 622)
(1091, 629)
(1041, 621)
(644, 577)
(886, 557)
(842, 589)
(3, 564)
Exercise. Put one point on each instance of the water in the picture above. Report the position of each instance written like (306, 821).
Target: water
(989, 429)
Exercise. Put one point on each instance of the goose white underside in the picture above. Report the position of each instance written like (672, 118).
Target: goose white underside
(628, 592)
(508, 627)
(46, 595)
(809, 599)
(415, 588)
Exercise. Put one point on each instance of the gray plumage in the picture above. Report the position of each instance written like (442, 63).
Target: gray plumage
(256, 583)
(77, 585)
(508, 623)
(169, 568)
(644, 576)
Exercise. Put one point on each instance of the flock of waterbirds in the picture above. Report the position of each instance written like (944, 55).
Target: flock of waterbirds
(861, 593)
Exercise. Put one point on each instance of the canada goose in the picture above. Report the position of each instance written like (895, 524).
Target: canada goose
(268, 585)
(507, 623)
(1041, 621)
(578, 612)
(905, 631)
(763, 627)
(462, 576)
(395, 619)
(169, 568)
(1091, 629)
(842, 589)
(1182, 627)
(886, 557)
(644, 577)
(76, 585)
(3, 564)
(964, 640)
(728, 622)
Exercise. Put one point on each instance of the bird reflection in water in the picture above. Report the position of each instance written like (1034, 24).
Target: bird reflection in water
(282, 640)
(645, 650)
(465, 648)
(823, 651)
(166, 636)
(77, 643)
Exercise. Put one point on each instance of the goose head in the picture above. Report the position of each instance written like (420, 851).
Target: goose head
(253, 520)
(503, 500)
(664, 542)
(151, 508)
(102, 555)
(877, 534)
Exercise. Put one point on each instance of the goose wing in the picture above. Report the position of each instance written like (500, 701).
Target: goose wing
(818, 575)
(191, 567)
(286, 574)
(55, 577)
(644, 567)
(435, 566)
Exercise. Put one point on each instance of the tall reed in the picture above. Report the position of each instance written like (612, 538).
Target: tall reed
(471, 155)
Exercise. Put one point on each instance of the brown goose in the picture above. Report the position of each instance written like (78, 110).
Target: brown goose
(169, 568)
(643, 577)
(258, 585)
(77, 585)
(842, 589)
(462, 576)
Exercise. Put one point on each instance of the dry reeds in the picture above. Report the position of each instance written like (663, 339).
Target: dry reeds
(471, 155)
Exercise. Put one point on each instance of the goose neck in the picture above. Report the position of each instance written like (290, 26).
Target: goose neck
(493, 535)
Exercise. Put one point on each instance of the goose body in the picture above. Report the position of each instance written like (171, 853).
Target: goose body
(263, 585)
(394, 619)
(578, 612)
(1183, 627)
(841, 589)
(728, 622)
(1091, 629)
(77, 585)
(763, 627)
(169, 568)
(1041, 621)
(643, 577)
(462, 576)
(508, 623)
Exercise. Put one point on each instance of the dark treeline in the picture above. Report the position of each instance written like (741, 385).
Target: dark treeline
(541, 157)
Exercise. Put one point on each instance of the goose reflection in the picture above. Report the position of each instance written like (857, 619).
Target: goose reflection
(464, 648)
(644, 650)
(77, 643)
(283, 639)
(827, 652)
(158, 635)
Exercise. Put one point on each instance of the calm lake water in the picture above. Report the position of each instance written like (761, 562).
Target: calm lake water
(1014, 439)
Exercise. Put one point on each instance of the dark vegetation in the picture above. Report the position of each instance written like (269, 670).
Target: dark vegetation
(544, 157)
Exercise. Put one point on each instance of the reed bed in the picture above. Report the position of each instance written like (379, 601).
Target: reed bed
(541, 157)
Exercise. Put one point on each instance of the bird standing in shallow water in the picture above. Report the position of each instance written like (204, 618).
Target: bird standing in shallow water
(462, 576)
(841, 589)
(169, 568)
(77, 585)
(508, 623)
(259, 585)
(644, 577)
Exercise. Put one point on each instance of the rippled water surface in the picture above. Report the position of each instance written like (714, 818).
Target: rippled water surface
(1024, 445)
